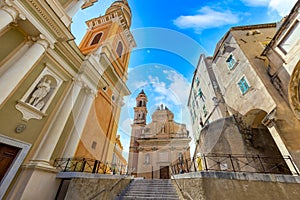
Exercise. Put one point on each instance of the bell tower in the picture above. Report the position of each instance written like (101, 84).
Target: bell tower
(140, 111)
(139, 123)
(107, 44)
(110, 35)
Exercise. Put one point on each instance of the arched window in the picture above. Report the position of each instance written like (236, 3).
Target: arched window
(140, 103)
(120, 49)
(96, 39)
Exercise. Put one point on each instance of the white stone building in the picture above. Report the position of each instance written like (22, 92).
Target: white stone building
(205, 103)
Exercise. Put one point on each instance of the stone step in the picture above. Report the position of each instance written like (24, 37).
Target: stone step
(150, 189)
(151, 194)
(148, 193)
(154, 186)
(148, 198)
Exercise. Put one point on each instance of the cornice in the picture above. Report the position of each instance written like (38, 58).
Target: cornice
(114, 16)
(49, 18)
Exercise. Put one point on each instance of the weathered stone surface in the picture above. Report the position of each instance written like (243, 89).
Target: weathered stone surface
(225, 185)
(95, 188)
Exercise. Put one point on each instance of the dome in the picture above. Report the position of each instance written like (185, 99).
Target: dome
(124, 6)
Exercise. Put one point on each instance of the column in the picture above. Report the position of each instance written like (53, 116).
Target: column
(16, 72)
(79, 126)
(283, 150)
(74, 7)
(7, 15)
(45, 150)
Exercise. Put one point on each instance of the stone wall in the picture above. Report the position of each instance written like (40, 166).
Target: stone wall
(96, 188)
(224, 137)
(236, 186)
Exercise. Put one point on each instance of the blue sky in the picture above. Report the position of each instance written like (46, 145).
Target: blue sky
(170, 37)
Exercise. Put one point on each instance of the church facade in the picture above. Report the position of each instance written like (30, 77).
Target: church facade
(155, 146)
(51, 90)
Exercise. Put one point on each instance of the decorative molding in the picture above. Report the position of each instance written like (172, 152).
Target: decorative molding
(115, 16)
(294, 91)
(13, 10)
(42, 40)
(29, 112)
(34, 4)
(88, 3)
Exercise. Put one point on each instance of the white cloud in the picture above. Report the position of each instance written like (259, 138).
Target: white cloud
(126, 125)
(206, 18)
(256, 2)
(139, 84)
(282, 7)
(178, 86)
(165, 94)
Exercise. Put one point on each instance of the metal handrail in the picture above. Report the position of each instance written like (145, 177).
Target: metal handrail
(88, 165)
(183, 193)
(109, 190)
(236, 163)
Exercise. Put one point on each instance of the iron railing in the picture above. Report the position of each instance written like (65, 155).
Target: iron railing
(235, 163)
(89, 166)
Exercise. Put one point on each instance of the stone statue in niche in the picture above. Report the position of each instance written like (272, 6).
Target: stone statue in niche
(37, 97)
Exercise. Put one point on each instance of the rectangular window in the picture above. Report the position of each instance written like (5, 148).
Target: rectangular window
(197, 81)
(204, 110)
(201, 95)
(231, 62)
(94, 144)
(290, 39)
(243, 85)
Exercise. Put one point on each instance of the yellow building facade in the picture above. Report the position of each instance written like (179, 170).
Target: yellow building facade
(108, 39)
(50, 89)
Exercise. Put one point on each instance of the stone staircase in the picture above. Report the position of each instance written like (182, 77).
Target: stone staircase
(149, 189)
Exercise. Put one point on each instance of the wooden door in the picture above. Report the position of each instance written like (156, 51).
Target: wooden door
(164, 173)
(7, 156)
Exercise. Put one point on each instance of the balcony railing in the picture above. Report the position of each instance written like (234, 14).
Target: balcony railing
(88, 166)
(236, 163)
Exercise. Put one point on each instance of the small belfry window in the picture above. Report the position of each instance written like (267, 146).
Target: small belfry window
(243, 85)
(231, 62)
(96, 39)
(120, 49)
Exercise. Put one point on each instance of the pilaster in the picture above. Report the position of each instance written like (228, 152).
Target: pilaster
(47, 146)
(80, 122)
(17, 71)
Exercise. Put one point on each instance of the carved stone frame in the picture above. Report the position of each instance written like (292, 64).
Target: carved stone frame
(31, 112)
